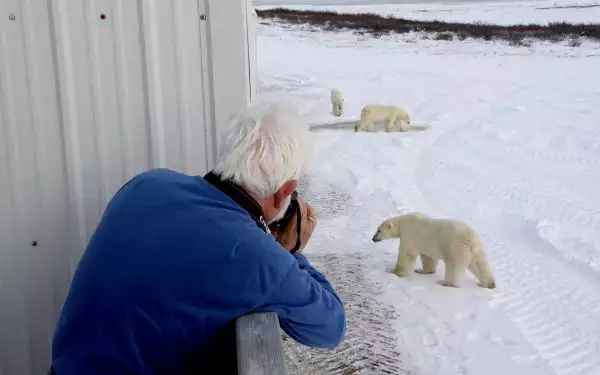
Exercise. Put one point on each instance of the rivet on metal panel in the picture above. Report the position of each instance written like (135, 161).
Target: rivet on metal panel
(203, 16)
(35, 243)
(12, 17)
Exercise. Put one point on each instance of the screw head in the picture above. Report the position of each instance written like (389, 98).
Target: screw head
(203, 16)
(12, 17)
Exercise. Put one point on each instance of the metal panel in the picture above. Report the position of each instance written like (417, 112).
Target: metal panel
(230, 72)
(92, 93)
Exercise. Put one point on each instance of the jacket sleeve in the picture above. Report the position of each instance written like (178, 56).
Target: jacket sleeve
(309, 310)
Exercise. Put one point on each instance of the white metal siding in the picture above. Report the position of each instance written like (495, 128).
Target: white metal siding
(91, 93)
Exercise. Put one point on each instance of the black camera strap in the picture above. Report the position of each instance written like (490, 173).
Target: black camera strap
(237, 194)
(298, 226)
(242, 198)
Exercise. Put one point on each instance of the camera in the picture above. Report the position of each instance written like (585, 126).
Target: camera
(292, 211)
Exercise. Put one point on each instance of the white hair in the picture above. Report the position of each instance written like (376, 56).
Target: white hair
(265, 145)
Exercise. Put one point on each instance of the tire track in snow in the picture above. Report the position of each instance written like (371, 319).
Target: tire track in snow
(546, 198)
(557, 311)
(555, 315)
(565, 160)
(370, 343)
(553, 182)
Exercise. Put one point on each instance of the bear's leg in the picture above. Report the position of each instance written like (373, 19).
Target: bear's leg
(370, 126)
(429, 265)
(482, 271)
(406, 261)
(359, 126)
(389, 124)
(455, 266)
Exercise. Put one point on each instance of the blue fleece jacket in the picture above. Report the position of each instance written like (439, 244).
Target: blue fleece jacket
(171, 263)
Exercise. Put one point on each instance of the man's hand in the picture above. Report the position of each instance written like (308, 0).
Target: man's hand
(287, 237)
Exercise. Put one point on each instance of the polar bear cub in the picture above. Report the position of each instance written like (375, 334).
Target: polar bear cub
(394, 117)
(432, 239)
(337, 102)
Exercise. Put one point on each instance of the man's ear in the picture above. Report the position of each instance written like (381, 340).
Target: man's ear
(283, 193)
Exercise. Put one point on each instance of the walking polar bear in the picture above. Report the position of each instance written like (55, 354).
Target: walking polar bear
(337, 102)
(433, 239)
(393, 117)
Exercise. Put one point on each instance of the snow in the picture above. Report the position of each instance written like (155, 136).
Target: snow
(513, 150)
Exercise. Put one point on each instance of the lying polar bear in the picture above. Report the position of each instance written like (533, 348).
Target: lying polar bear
(337, 102)
(433, 239)
(394, 117)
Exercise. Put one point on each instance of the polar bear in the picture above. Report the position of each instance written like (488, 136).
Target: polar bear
(337, 102)
(394, 117)
(432, 239)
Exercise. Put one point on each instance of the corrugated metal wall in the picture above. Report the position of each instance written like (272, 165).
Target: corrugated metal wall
(91, 93)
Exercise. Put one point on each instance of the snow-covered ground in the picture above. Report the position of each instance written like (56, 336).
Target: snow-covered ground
(513, 150)
(496, 12)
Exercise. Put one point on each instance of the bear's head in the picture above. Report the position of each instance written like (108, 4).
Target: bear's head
(386, 230)
(395, 226)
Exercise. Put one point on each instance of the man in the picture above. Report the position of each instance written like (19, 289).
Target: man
(176, 259)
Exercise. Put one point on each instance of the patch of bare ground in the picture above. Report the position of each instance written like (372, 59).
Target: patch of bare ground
(379, 25)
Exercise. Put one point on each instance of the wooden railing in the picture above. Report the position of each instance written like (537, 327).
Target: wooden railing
(259, 346)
